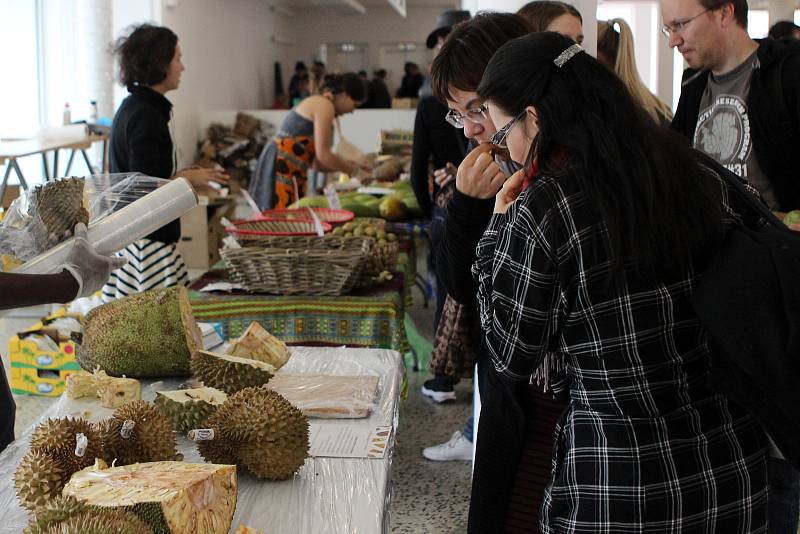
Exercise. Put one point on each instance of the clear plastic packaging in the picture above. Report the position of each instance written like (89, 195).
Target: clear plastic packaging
(331, 495)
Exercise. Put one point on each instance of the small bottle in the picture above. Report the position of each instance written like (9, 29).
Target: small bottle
(93, 112)
(67, 115)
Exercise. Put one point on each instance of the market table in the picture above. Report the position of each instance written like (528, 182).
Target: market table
(368, 317)
(330, 495)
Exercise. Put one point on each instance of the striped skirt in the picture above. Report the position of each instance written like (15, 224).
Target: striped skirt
(151, 265)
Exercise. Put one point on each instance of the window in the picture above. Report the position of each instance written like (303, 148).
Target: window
(758, 23)
(19, 102)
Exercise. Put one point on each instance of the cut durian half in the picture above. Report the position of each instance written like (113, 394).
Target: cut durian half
(230, 373)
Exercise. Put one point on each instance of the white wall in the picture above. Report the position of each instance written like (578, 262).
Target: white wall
(229, 59)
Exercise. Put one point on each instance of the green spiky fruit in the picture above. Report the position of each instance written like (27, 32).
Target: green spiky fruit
(59, 206)
(230, 373)
(189, 408)
(67, 515)
(262, 431)
(143, 335)
(55, 511)
(59, 439)
(170, 497)
(148, 437)
(38, 479)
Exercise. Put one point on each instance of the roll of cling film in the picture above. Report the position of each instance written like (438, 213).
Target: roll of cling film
(81, 442)
(127, 429)
(201, 434)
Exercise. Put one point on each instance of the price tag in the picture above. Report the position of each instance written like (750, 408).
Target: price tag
(333, 198)
(201, 434)
(127, 429)
(81, 442)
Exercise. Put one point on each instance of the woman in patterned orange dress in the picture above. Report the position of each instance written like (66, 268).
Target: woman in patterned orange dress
(305, 139)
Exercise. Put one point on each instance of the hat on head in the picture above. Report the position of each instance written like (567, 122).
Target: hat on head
(444, 23)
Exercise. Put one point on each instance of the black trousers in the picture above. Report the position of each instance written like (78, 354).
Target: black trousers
(8, 411)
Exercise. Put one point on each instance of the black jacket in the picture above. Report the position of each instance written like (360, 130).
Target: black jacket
(141, 142)
(436, 139)
(378, 96)
(774, 109)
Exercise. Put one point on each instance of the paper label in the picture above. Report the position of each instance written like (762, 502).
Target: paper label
(127, 429)
(81, 442)
(348, 441)
(333, 198)
(201, 434)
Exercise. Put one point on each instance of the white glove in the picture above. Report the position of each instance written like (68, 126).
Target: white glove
(90, 269)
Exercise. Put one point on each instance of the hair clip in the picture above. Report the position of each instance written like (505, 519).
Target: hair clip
(567, 54)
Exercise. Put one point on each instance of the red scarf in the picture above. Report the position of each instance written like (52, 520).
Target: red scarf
(560, 159)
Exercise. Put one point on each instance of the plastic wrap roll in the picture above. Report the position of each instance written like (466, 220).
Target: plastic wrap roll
(121, 228)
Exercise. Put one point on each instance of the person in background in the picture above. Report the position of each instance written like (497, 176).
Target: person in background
(302, 88)
(378, 96)
(784, 29)
(364, 76)
(586, 269)
(554, 16)
(317, 77)
(411, 82)
(150, 66)
(304, 140)
(83, 273)
(296, 91)
(740, 104)
(615, 51)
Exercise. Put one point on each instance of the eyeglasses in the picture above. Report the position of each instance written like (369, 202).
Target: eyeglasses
(679, 25)
(499, 138)
(475, 116)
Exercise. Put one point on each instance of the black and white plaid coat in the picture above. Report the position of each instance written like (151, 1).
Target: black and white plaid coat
(645, 446)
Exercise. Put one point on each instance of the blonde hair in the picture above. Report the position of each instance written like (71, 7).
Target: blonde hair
(617, 46)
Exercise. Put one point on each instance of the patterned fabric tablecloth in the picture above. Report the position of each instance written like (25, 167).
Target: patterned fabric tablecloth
(370, 317)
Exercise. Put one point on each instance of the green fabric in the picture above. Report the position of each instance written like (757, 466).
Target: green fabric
(419, 345)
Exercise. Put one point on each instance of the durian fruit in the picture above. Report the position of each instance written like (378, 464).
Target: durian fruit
(230, 373)
(150, 334)
(39, 478)
(171, 497)
(60, 438)
(258, 344)
(113, 392)
(137, 432)
(261, 431)
(59, 206)
(67, 515)
(189, 408)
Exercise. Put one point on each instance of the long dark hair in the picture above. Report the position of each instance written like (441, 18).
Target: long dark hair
(144, 54)
(662, 210)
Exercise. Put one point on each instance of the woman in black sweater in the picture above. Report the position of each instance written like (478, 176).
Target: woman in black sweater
(142, 141)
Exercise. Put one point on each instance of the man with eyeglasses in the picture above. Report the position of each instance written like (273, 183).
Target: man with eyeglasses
(740, 104)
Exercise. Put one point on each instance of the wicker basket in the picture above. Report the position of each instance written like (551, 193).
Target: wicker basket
(327, 215)
(258, 229)
(298, 265)
(381, 258)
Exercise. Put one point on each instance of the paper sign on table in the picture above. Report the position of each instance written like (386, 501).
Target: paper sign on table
(349, 441)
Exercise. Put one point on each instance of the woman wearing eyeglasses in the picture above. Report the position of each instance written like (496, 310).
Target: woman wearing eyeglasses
(587, 268)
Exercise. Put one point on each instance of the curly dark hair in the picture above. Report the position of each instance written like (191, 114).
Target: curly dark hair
(144, 54)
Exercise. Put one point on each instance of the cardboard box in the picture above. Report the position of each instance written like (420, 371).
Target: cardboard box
(27, 381)
(202, 232)
(404, 103)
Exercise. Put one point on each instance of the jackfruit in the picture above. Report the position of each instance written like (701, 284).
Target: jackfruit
(61, 439)
(170, 497)
(38, 479)
(113, 392)
(189, 408)
(137, 432)
(261, 431)
(230, 373)
(258, 344)
(143, 335)
(67, 515)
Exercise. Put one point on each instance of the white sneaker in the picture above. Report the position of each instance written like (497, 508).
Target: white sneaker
(439, 396)
(458, 448)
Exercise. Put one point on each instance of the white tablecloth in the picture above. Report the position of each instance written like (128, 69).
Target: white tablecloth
(329, 495)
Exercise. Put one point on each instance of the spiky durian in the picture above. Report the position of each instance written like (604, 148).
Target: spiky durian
(137, 432)
(258, 344)
(262, 431)
(38, 479)
(59, 438)
(66, 514)
(59, 206)
(230, 373)
(189, 408)
(171, 497)
(142, 335)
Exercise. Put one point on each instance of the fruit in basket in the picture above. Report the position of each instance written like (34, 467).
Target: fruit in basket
(311, 202)
(230, 373)
(392, 209)
(67, 515)
(258, 344)
(38, 479)
(137, 432)
(73, 443)
(142, 335)
(189, 408)
(176, 497)
(262, 431)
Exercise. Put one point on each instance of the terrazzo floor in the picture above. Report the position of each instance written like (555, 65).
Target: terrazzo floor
(428, 497)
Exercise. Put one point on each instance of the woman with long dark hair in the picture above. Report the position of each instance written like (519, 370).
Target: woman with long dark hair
(587, 268)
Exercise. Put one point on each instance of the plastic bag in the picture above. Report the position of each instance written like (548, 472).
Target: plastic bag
(45, 215)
